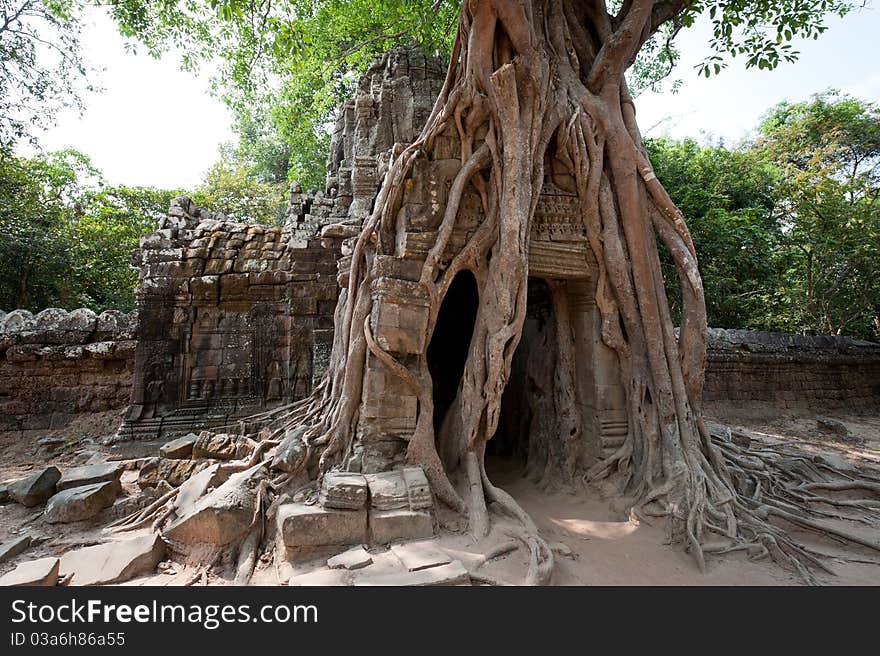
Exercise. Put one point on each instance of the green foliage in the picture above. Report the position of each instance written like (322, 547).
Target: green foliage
(787, 229)
(289, 61)
(68, 236)
(295, 61)
(42, 69)
(727, 197)
(232, 188)
(828, 153)
(761, 32)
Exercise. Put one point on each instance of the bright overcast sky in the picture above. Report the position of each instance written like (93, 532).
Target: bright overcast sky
(156, 125)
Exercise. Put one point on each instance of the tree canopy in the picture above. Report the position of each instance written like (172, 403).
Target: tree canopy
(294, 62)
(41, 64)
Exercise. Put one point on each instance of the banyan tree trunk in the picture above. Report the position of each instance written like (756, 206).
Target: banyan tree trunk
(528, 80)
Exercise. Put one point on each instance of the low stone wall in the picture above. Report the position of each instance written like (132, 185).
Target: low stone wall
(748, 367)
(58, 364)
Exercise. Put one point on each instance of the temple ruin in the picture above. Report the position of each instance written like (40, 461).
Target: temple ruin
(235, 322)
(235, 318)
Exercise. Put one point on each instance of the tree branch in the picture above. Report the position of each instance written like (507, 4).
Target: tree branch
(619, 50)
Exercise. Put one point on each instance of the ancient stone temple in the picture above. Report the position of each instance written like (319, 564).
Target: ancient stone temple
(235, 319)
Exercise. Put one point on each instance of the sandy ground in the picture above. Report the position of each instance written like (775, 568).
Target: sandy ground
(598, 543)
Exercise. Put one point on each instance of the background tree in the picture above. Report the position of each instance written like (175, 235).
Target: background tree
(827, 151)
(41, 66)
(232, 187)
(729, 197)
(68, 236)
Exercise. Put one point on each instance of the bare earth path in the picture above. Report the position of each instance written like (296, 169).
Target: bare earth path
(606, 547)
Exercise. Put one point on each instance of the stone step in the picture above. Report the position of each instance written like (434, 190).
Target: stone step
(420, 555)
(301, 525)
(453, 573)
(113, 562)
(42, 572)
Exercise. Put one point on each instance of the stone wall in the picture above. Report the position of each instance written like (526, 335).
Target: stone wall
(239, 318)
(747, 367)
(235, 318)
(58, 364)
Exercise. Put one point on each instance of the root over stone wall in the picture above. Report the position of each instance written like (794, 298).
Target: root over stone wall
(56, 365)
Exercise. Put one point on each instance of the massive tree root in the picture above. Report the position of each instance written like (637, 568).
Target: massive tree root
(532, 81)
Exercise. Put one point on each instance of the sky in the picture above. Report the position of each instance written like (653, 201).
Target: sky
(156, 125)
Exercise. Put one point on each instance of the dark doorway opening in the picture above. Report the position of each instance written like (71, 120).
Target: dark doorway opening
(527, 402)
(450, 343)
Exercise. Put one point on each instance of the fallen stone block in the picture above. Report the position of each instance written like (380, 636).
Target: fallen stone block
(15, 546)
(5, 497)
(356, 558)
(42, 572)
(36, 489)
(420, 555)
(399, 525)
(221, 516)
(300, 525)
(344, 491)
(321, 578)
(400, 489)
(90, 474)
(453, 573)
(195, 487)
(113, 562)
(290, 454)
(79, 503)
(174, 472)
(222, 446)
(831, 426)
(180, 448)
(418, 490)
(387, 491)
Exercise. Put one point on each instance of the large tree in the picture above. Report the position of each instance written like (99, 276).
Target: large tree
(530, 80)
(827, 151)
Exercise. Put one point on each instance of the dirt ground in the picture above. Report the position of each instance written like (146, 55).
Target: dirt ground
(596, 542)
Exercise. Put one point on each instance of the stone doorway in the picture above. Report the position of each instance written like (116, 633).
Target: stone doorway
(527, 403)
(448, 350)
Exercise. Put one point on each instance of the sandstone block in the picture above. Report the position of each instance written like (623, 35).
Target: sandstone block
(399, 525)
(221, 516)
(453, 573)
(90, 474)
(80, 503)
(42, 572)
(321, 578)
(11, 548)
(420, 555)
(180, 448)
(113, 562)
(356, 558)
(300, 525)
(36, 489)
(344, 490)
